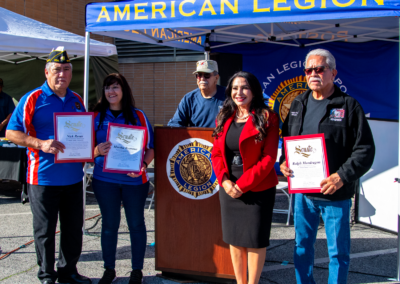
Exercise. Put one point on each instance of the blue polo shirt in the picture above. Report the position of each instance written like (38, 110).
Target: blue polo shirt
(101, 137)
(194, 110)
(34, 116)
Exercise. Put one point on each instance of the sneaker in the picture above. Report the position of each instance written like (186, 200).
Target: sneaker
(136, 277)
(109, 276)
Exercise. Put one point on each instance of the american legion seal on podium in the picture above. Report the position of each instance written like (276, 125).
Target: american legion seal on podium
(190, 171)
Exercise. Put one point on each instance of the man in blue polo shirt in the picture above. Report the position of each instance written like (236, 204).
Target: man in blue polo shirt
(52, 188)
(200, 107)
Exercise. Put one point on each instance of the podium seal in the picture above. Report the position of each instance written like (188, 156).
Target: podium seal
(190, 170)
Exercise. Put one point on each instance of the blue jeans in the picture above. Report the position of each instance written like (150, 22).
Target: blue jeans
(133, 197)
(336, 216)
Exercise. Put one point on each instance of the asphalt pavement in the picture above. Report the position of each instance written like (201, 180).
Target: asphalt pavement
(373, 252)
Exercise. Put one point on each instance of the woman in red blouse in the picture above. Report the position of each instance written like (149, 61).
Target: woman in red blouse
(243, 157)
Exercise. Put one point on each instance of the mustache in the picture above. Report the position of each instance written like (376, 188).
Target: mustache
(203, 82)
(315, 79)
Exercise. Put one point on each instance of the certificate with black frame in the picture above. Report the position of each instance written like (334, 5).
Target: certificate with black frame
(75, 131)
(306, 157)
(127, 149)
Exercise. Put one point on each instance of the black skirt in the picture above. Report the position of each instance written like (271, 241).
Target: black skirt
(246, 221)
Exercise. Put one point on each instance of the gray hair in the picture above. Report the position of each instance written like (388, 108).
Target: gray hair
(50, 64)
(330, 60)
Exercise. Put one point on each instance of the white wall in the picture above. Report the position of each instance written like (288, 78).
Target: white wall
(378, 198)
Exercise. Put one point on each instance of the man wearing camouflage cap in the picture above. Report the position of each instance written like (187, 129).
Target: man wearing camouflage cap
(54, 189)
(200, 107)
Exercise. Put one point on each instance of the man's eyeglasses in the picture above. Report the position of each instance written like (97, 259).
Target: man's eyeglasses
(318, 70)
(204, 75)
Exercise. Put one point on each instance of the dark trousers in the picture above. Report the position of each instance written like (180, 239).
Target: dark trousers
(47, 202)
(133, 197)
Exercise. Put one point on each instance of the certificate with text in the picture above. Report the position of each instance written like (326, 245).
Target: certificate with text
(127, 149)
(75, 131)
(306, 157)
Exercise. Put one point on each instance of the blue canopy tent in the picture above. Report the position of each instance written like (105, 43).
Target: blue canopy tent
(268, 26)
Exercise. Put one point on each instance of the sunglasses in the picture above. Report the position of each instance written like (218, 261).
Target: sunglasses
(204, 75)
(318, 70)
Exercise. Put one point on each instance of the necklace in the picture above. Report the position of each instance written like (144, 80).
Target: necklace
(243, 117)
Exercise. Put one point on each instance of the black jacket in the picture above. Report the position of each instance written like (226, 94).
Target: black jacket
(349, 143)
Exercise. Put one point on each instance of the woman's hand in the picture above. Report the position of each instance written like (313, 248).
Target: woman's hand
(102, 149)
(238, 189)
(231, 189)
(133, 175)
(148, 157)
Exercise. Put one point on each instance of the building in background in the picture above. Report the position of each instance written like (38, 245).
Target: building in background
(159, 76)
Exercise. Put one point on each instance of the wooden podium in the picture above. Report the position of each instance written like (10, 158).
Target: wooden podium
(188, 232)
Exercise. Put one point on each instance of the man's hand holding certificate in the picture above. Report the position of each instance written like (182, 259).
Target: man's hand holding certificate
(307, 165)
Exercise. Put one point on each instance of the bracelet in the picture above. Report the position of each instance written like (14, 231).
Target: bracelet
(145, 164)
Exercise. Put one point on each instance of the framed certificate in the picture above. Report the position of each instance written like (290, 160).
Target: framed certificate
(306, 157)
(75, 131)
(127, 149)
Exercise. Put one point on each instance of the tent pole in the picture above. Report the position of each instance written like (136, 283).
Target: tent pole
(86, 100)
(398, 206)
(207, 48)
(86, 74)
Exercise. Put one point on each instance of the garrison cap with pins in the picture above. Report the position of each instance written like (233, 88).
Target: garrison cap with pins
(58, 55)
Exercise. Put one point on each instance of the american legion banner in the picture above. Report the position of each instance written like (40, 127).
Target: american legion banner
(367, 71)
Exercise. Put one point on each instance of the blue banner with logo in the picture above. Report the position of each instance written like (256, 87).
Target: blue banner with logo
(368, 72)
(148, 14)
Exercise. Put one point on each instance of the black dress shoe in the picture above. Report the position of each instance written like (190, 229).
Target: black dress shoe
(48, 282)
(136, 277)
(74, 279)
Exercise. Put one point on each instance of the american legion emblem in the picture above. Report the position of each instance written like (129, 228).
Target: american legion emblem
(283, 96)
(190, 170)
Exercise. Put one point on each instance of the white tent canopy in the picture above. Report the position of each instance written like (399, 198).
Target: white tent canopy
(23, 39)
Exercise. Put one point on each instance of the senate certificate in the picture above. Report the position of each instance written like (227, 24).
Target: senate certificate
(306, 157)
(127, 149)
(75, 131)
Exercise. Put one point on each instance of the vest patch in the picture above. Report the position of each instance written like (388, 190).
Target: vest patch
(337, 114)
